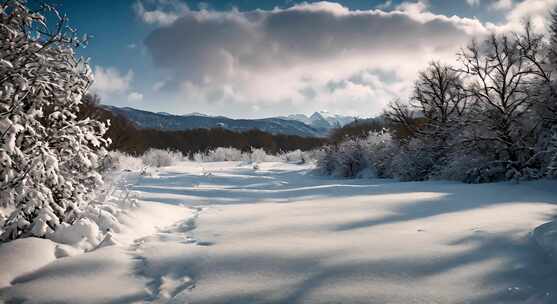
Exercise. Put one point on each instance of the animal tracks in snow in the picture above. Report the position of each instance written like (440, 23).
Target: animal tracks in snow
(163, 287)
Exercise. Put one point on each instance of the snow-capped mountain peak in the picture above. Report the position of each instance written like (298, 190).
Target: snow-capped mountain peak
(322, 119)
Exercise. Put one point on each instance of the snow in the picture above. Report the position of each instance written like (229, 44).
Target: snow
(226, 232)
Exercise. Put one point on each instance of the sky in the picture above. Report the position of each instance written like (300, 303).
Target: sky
(262, 58)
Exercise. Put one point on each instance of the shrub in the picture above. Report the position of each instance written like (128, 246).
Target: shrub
(123, 161)
(161, 158)
(413, 162)
(49, 157)
(296, 156)
(354, 157)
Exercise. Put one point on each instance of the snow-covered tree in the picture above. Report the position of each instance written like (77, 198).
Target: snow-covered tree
(48, 157)
(439, 95)
(552, 167)
(547, 105)
(501, 71)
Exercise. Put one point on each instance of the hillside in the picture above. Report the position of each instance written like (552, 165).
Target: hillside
(170, 122)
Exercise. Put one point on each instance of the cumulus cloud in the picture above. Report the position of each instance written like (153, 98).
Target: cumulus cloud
(413, 7)
(165, 11)
(501, 5)
(135, 97)
(114, 86)
(311, 56)
(537, 11)
(260, 59)
(110, 80)
(385, 5)
(473, 2)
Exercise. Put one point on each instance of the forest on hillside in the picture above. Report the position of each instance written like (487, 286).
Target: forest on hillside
(128, 138)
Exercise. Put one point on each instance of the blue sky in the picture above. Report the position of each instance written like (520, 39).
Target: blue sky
(248, 58)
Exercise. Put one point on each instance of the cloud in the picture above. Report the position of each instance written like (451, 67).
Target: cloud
(135, 97)
(158, 86)
(413, 7)
(114, 86)
(285, 59)
(537, 11)
(387, 4)
(501, 5)
(473, 2)
(110, 80)
(164, 12)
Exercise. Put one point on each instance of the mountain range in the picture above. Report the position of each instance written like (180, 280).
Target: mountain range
(317, 125)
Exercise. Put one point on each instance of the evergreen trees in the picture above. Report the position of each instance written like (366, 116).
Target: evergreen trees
(48, 157)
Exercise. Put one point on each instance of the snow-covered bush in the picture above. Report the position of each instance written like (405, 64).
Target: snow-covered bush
(468, 166)
(224, 154)
(358, 157)
(311, 156)
(552, 167)
(123, 161)
(221, 154)
(260, 156)
(298, 156)
(232, 154)
(351, 158)
(326, 160)
(413, 162)
(48, 157)
(161, 158)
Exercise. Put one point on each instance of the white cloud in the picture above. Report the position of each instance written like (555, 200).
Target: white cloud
(165, 12)
(387, 4)
(307, 57)
(537, 11)
(114, 86)
(501, 5)
(281, 60)
(110, 80)
(473, 2)
(135, 97)
(158, 86)
(413, 7)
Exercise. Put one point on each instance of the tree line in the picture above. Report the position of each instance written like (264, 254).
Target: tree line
(126, 137)
(490, 117)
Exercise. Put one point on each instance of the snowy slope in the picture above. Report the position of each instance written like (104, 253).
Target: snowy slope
(282, 235)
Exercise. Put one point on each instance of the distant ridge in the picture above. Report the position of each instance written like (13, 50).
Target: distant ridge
(167, 121)
(322, 120)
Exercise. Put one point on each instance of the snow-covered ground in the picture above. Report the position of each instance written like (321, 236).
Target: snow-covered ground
(229, 233)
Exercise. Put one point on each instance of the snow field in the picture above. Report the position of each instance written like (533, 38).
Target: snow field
(224, 232)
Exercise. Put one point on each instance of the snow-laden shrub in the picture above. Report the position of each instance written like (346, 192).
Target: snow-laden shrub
(83, 233)
(352, 157)
(326, 160)
(464, 166)
(298, 156)
(224, 154)
(49, 158)
(260, 156)
(123, 161)
(221, 154)
(413, 162)
(198, 157)
(311, 156)
(358, 157)
(161, 158)
(552, 167)
(233, 154)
